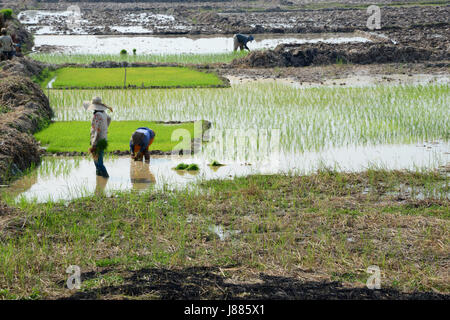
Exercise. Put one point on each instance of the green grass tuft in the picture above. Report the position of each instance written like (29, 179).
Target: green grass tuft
(181, 166)
(216, 163)
(7, 13)
(193, 167)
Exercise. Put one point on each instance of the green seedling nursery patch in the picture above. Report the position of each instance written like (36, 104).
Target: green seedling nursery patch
(151, 77)
(74, 136)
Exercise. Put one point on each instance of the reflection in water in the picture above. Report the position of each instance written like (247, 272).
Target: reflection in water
(100, 185)
(215, 168)
(140, 175)
(59, 179)
(23, 185)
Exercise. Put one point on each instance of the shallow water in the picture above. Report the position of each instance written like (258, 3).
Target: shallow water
(92, 44)
(70, 178)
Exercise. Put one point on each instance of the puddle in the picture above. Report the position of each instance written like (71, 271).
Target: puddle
(221, 233)
(353, 81)
(70, 178)
(421, 193)
(83, 44)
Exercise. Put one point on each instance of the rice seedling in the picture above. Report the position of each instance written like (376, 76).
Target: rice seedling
(216, 163)
(54, 58)
(130, 77)
(310, 119)
(193, 167)
(181, 166)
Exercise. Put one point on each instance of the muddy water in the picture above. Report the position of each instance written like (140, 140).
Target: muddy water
(70, 178)
(91, 44)
(63, 22)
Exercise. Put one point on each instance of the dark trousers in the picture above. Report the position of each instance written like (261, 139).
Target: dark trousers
(9, 54)
(101, 169)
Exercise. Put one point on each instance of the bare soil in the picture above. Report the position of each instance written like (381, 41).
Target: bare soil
(210, 283)
(421, 44)
(334, 72)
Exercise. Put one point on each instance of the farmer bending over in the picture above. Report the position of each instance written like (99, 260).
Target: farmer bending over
(240, 41)
(140, 141)
(6, 45)
(99, 133)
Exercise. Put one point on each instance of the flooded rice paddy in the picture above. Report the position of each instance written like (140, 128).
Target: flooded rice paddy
(69, 178)
(196, 44)
(309, 119)
(257, 128)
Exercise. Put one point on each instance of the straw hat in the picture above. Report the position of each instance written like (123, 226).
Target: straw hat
(95, 105)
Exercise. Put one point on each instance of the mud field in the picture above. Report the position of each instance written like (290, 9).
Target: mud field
(410, 34)
(231, 17)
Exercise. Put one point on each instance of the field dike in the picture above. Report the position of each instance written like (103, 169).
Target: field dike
(298, 55)
(24, 109)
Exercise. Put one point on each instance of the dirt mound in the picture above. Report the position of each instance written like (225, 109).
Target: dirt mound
(24, 109)
(18, 151)
(295, 55)
(22, 66)
(210, 18)
(18, 92)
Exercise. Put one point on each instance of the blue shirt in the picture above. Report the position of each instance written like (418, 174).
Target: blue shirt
(243, 39)
(149, 134)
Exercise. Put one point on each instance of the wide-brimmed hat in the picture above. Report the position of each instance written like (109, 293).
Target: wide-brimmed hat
(95, 105)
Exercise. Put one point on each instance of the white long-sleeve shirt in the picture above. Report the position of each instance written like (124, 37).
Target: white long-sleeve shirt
(99, 127)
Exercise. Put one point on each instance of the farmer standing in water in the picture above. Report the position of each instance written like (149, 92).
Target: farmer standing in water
(99, 133)
(240, 41)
